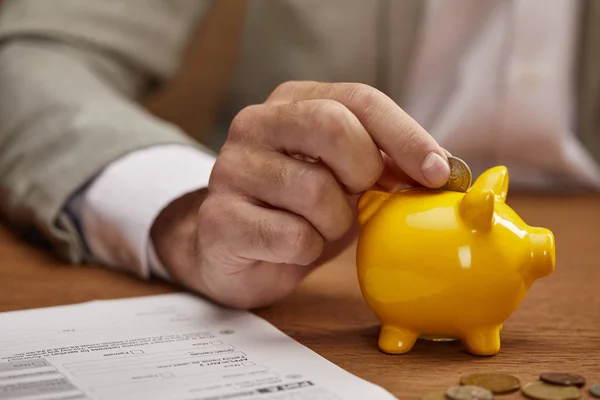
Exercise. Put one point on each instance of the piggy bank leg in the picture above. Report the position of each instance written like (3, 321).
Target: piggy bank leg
(394, 340)
(483, 341)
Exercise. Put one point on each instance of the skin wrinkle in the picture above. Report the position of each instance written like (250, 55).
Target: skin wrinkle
(261, 235)
(323, 189)
(346, 119)
(226, 251)
(296, 113)
(275, 171)
(363, 98)
(329, 90)
(410, 141)
(410, 133)
(227, 169)
(342, 130)
(325, 127)
(387, 142)
(311, 185)
(281, 281)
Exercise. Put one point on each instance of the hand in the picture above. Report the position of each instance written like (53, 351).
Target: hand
(270, 217)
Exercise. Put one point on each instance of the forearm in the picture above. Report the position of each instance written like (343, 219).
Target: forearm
(61, 122)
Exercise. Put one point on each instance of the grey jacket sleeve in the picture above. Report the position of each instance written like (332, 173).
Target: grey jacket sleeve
(71, 73)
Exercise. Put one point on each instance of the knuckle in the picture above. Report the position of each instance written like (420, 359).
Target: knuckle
(347, 222)
(296, 240)
(286, 112)
(211, 217)
(224, 170)
(317, 187)
(285, 88)
(264, 238)
(243, 124)
(342, 226)
(372, 172)
(276, 172)
(330, 118)
(365, 100)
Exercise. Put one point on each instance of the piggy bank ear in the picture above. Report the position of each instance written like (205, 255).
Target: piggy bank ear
(496, 180)
(477, 208)
(369, 203)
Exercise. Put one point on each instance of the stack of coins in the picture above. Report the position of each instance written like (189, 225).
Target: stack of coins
(484, 386)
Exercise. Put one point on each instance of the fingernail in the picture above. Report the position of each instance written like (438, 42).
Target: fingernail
(435, 169)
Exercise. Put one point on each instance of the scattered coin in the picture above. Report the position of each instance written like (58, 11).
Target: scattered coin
(595, 390)
(433, 338)
(434, 396)
(469, 393)
(460, 175)
(494, 382)
(562, 378)
(546, 391)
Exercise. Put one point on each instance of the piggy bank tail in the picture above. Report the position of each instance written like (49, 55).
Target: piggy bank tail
(369, 203)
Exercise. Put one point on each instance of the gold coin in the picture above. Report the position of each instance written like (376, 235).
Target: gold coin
(545, 391)
(595, 390)
(460, 175)
(434, 338)
(434, 396)
(496, 383)
(469, 393)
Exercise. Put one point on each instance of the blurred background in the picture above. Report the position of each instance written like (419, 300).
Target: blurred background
(495, 82)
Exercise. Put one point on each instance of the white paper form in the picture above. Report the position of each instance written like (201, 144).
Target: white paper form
(174, 346)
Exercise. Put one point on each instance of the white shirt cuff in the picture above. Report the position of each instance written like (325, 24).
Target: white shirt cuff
(117, 210)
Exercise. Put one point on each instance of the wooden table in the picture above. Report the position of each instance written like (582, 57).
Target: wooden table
(556, 328)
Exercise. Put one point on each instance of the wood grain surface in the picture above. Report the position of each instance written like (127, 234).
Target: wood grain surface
(557, 328)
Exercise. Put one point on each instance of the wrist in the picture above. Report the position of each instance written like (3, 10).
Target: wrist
(174, 233)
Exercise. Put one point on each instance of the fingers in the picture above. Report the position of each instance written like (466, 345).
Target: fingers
(395, 132)
(250, 256)
(305, 189)
(251, 233)
(392, 176)
(324, 130)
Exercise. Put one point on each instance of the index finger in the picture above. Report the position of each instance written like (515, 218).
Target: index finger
(409, 145)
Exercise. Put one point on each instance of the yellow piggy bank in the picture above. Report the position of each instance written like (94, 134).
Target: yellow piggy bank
(447, 264)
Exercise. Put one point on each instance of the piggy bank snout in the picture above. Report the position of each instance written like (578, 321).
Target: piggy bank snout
(543, 252)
